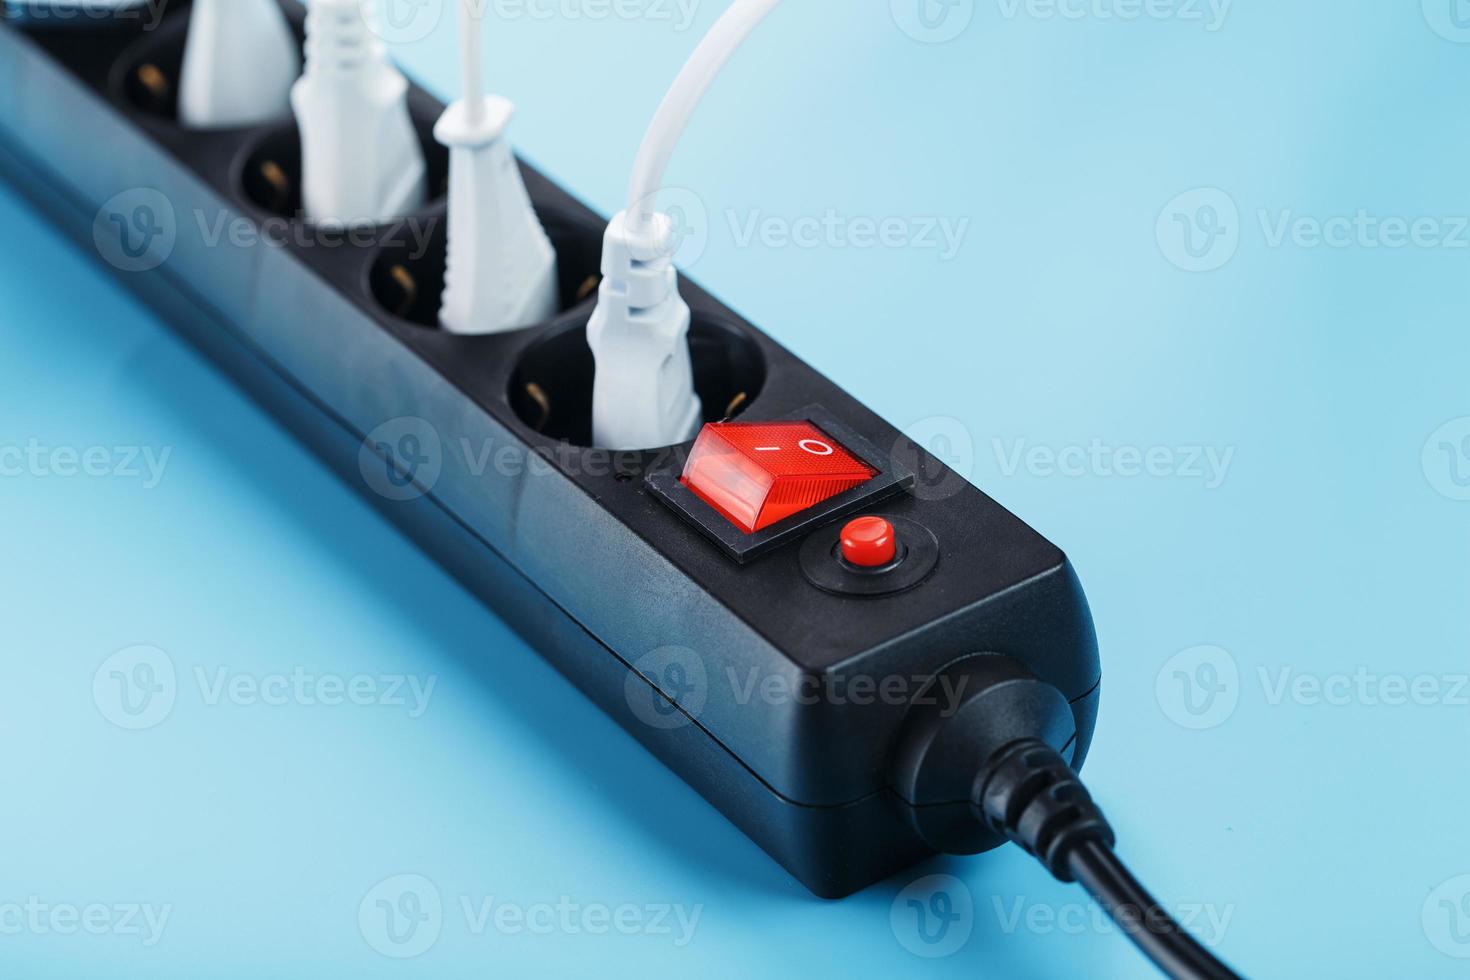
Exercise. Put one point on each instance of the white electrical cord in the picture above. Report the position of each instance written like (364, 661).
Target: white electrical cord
(471, 59)
(501, 270)
(643, 393)
(677, 108)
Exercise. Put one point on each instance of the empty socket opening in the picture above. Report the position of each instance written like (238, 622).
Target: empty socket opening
(269, 172)
(551, 387)
(147, 76)
(407, 275)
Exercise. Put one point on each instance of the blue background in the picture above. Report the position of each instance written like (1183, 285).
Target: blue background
(1335, 542)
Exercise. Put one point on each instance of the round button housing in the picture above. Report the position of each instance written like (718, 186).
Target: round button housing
(869, 542)
(912, 553)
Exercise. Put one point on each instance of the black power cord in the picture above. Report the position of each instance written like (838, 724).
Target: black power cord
(989, 766)
(1028, 793)
(1175, 952)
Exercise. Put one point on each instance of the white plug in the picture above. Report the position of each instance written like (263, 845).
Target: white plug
(361, 162)
(643, 394)
(240, 61)
(501, 269)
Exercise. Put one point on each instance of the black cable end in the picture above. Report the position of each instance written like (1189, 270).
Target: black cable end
(991, 768)
(1030, 794)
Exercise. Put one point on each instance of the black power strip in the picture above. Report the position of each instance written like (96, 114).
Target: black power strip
(792, 689)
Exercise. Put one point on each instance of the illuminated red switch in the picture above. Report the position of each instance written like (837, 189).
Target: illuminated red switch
(759, 473)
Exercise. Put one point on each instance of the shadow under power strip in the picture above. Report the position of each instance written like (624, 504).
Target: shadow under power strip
(771, 674)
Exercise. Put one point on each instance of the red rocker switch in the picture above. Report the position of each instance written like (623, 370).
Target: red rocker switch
(759, 473)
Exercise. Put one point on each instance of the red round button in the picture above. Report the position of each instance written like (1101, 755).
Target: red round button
(869, 542)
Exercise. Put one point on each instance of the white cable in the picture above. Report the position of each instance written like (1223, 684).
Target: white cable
(643, 393)
(471, 59)
(684, 96)
(500, 273)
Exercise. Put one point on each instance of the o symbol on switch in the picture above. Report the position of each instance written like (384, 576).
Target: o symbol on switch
(816, 447)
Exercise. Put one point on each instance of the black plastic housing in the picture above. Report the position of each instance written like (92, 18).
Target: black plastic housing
(567, 543)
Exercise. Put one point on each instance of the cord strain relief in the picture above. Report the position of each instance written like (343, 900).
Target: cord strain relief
(1030, 794)
(339, 38)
